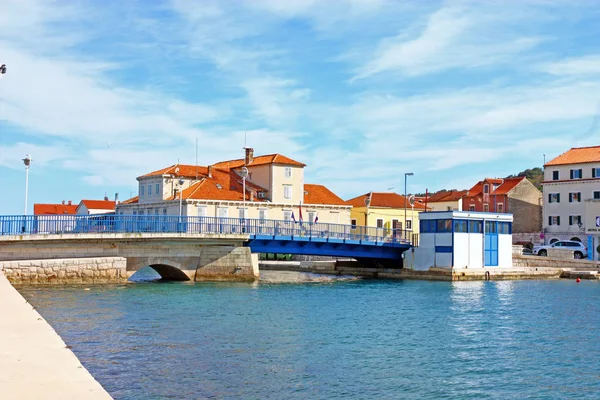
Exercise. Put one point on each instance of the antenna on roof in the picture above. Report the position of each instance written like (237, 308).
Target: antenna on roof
(196, 158)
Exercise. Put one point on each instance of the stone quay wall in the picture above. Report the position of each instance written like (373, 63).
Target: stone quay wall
(66, 271)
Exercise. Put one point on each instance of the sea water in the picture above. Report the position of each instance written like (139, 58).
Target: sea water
(294, 335)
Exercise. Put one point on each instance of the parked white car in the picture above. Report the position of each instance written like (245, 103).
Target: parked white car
(578, 249)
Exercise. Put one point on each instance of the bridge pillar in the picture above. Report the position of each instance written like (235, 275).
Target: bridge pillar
(226, 263)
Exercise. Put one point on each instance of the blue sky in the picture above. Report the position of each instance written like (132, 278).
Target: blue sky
(361, 91)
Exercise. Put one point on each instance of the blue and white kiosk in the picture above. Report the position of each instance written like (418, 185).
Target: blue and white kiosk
(463, 239)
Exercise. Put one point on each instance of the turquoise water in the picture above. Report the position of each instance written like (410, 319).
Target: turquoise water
(333, 339)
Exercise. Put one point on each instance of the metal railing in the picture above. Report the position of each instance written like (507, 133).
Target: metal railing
(76, 224)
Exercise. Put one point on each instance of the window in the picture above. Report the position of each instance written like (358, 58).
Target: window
(576, 173)
(222, 212)
(500, 207)
(311, 216)
(134, 212)
(202, 211)
(164, 211)
(157, 188)
(141, 212)
(149, 211)
(448, 208)
(471, 208)
(288, 172)
(555, 175)
(287, 191)
(242, 213)
(486, 188)
(553, 197)
(287, 215)
(262, 215)
(409, 224)
(427, 226)
(149, 190)
(574, 219)
(504, 228)
(352, 222)
(142, 188)
(575, 197)
(595, 172)
(379, 223)
(156, 211)
(554, 220)
(475, 226)
(486, 208)
(444, 225)
(461, 226)
(597, 195)
(491, 227)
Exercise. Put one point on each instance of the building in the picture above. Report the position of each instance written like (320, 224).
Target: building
(572, 192)
(446, 200)
(89, 207)
(516, 196)
(64, 208)
(274, 189)
(386, 210)
(462, 239)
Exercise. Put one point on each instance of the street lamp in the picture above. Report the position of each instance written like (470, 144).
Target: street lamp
(27, 161)
(180, 182)
(406, 175)
(2, 69)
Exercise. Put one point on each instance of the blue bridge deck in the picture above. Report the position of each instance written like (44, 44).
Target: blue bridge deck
(264, 236)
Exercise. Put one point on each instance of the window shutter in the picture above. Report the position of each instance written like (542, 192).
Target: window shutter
(570, 197)
(571, 174)
(570, 220)
(593, 172)
(558, 197)
(580, 173)
(558, 220)
(549, 197)
(549, 220)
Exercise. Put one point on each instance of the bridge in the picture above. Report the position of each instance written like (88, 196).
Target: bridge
(191, 247)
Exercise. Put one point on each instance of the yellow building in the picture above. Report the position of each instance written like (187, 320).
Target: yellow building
(386, 210)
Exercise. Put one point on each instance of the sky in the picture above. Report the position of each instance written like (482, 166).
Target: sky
(362, 91)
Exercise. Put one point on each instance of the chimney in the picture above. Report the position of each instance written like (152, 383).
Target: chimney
(251, 196)
(70, 203)
(249, 155)
(210, 171)
(63, 202)
(105, 198)
(116, 198)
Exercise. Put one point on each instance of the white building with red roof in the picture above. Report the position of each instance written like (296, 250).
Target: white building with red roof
(572, 196)
(274, 189)
(92, 207)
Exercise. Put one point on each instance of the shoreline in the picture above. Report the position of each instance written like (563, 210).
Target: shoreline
(35, 363)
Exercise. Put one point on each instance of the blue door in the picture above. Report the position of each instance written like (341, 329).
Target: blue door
(491, 244)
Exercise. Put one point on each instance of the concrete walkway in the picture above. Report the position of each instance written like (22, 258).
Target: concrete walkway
(34, 361)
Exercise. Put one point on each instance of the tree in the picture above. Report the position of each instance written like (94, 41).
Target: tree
(535, 176)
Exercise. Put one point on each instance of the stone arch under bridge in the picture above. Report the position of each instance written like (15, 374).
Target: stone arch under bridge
(169, 269)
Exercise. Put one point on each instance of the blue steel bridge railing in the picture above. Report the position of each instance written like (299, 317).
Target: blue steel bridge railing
(73, 224)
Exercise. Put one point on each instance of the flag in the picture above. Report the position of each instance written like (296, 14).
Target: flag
(293, 217)
(317, 218)
(300, 217)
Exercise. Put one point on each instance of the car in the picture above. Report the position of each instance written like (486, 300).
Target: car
(578, 249)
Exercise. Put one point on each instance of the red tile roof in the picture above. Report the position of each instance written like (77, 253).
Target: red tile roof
(577, 155)
(259, 160)
(505, 186)
(184, 171)
(54, 209)
(384, 200)
(319, 194)
(99, 204)
(508, 185)
(132, 200)
(449, 195)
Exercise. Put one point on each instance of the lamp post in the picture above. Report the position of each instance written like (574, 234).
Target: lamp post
(27, 161)
(181, 182)
(406, 175)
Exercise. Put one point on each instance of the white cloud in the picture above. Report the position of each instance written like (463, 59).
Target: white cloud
(586, 65)
(452, 37)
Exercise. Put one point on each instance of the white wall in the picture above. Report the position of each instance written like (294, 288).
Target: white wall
(504, 251)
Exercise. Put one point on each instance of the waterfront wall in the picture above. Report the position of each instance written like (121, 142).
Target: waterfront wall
(553, 262)
(70, 270)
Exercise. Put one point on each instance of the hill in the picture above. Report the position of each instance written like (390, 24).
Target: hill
(535, 176)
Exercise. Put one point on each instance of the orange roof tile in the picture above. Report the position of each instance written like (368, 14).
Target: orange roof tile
(319, 194)
(384, 200)
(508, 185)
(99, 204)
(448, 195)
(132, 200)
(54, 209)
(185, 171)
(577, 155)
(259, 160)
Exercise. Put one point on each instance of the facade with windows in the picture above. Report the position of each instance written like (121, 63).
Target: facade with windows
(517, 196)
(571, 189)
(390, 211)
(463, 239)
(274, 189)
